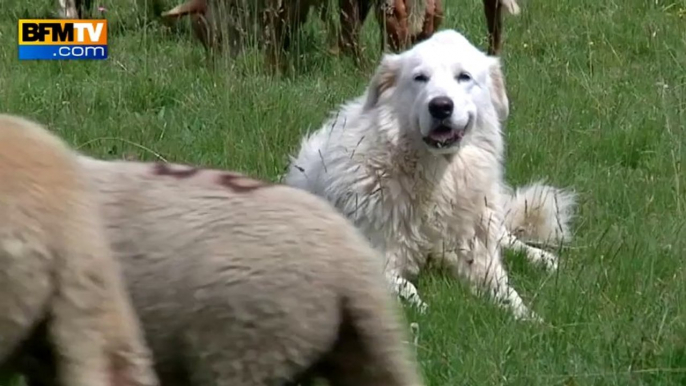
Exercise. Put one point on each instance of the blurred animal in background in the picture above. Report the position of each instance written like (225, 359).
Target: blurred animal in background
(406, 22)
(409, 21)
(84, 9)
(197, 10)
(401, 22)
(494, 9)
(73, 9)
(271, 24)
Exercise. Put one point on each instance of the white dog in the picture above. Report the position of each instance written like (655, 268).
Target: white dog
(416, 164)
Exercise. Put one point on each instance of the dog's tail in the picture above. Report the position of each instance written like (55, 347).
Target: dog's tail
(539, 213)
(510, 6)
(187, 8)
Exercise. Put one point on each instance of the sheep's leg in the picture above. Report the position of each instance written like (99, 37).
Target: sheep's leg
(494, 22)
(67, 9)
(331, 29)
(26, 286)
(352, 16)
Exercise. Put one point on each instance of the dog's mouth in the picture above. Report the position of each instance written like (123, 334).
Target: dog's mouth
(444, 136)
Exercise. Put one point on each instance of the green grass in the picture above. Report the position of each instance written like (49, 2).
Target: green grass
(598, 103)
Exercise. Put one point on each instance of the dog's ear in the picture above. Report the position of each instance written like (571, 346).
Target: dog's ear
(497, 90)
(384, 78)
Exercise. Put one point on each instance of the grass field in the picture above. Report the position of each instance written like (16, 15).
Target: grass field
(598, 103)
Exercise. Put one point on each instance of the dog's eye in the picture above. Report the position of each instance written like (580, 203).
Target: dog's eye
(463, 77)
(421, 78)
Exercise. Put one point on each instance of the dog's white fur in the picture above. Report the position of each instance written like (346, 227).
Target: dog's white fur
(414, 200)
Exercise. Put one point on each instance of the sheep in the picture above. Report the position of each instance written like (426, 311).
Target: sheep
(73, 9)
(241, 282)
(58, 275)
(273, 22)
(404, 23)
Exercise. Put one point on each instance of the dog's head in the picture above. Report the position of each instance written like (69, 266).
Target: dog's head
(444, 87)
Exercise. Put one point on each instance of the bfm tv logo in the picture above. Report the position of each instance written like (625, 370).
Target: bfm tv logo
(62, 39)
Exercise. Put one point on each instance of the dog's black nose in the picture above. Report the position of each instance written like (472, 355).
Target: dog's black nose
(441, 107)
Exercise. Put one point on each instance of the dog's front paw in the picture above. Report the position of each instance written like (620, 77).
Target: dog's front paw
(526, 315)
(548, 260)
(406, 291)
(422, 307)
(416, 302)
(533, 317)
